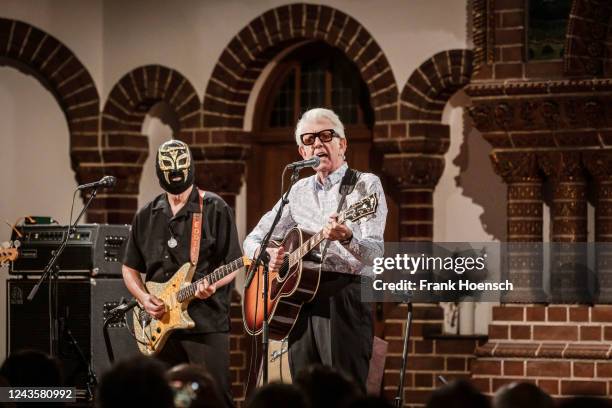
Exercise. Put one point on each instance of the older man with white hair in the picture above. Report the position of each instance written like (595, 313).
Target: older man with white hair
(336, 328)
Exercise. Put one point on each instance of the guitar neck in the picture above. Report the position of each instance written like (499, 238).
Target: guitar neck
(307, 246)
(216, 275)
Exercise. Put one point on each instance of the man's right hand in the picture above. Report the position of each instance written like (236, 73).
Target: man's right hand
(277, 256)
(154, 306)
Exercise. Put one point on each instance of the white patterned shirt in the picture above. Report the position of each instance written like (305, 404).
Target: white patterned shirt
(310, 205)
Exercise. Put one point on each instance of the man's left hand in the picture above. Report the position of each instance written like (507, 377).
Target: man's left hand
(205, 290)
(336, 232)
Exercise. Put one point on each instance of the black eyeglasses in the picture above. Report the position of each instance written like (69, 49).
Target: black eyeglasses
(324, 135)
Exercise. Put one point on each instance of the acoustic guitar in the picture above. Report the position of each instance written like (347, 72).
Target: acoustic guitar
(297, 280)
(151, 333)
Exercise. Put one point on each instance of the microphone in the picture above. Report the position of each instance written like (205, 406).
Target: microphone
(312, 162)
(106, 181)
(123, 308)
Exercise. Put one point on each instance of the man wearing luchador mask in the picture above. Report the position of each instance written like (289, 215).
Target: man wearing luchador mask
(160, 243)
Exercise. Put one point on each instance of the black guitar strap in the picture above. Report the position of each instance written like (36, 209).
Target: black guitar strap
(347, 185)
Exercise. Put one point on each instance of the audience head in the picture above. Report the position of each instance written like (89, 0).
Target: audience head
(278, 395)
(522, 395)
(193, 387)
(370, 402)
(582, 402)
(325, 387)
(137, 382)
(457, 394)
(31, 368)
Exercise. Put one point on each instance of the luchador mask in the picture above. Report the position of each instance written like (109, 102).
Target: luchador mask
(174, 166)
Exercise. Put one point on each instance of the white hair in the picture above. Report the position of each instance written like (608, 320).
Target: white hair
(314, 115)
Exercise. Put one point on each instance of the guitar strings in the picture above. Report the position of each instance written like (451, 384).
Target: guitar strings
(213, 277)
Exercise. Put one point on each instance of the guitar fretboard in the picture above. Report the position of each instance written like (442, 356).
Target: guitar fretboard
(307, 246)
(213, 277)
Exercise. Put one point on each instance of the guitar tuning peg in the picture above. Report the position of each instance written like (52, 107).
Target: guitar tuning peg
(6, 244)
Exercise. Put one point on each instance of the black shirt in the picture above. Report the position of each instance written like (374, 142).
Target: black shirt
(148, 251)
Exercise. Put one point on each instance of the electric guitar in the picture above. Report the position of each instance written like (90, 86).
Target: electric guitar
(8, 255)
(296, 282)
(152, 334)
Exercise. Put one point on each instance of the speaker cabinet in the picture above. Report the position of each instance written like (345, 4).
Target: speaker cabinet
(105, 295)
(82, 304)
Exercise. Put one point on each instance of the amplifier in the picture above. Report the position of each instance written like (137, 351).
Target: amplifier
(95, 249)
(82, 305)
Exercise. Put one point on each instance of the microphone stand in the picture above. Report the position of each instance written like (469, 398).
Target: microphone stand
(51, 273)
(399, 399)
(92, 380)
(262, 259)
(113, 316)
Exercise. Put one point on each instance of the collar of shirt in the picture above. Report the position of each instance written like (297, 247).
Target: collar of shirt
(191, 206)
(331, 180)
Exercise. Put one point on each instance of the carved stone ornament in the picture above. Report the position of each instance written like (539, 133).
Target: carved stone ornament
(598, 164)
(550, 113)
(515, 166)
(561, 165)
(504, 115)
(409, 170)
(481, 115)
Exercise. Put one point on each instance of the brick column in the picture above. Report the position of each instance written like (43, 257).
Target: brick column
(524, 211)
(220, 167)
(599, 166)
(220, 160)
(569, 275)
(415, 176)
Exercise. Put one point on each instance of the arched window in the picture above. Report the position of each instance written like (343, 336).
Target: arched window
(312, 75)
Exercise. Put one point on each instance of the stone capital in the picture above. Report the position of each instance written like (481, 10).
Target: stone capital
(598, 164)
(408, 170)
(562, 165)
(515, 166)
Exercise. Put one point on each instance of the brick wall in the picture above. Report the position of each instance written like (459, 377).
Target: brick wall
(535, 115)
(430, 354)
(239, 351)
(563, 349)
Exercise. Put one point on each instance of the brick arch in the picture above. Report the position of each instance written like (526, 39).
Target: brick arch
(432, 84)
(242, 61)
(124, 148)
(586, 38)
(62, 73)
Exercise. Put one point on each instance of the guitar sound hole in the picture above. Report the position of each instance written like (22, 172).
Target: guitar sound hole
(282, 272)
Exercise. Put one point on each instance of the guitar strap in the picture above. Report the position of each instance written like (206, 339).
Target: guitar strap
(196, 230)
(347, 185)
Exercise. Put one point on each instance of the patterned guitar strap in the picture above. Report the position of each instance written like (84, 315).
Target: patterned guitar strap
(196, 230)
(346, 187)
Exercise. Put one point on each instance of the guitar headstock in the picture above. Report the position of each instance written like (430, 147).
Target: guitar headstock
(8, 255)
(361, 208)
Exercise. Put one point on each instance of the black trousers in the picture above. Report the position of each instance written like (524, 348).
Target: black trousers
(335, 329)
(210, 350)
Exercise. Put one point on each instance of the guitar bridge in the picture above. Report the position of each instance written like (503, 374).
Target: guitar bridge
(144, 318)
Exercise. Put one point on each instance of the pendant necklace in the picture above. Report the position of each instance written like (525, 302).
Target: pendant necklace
(172, 243)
